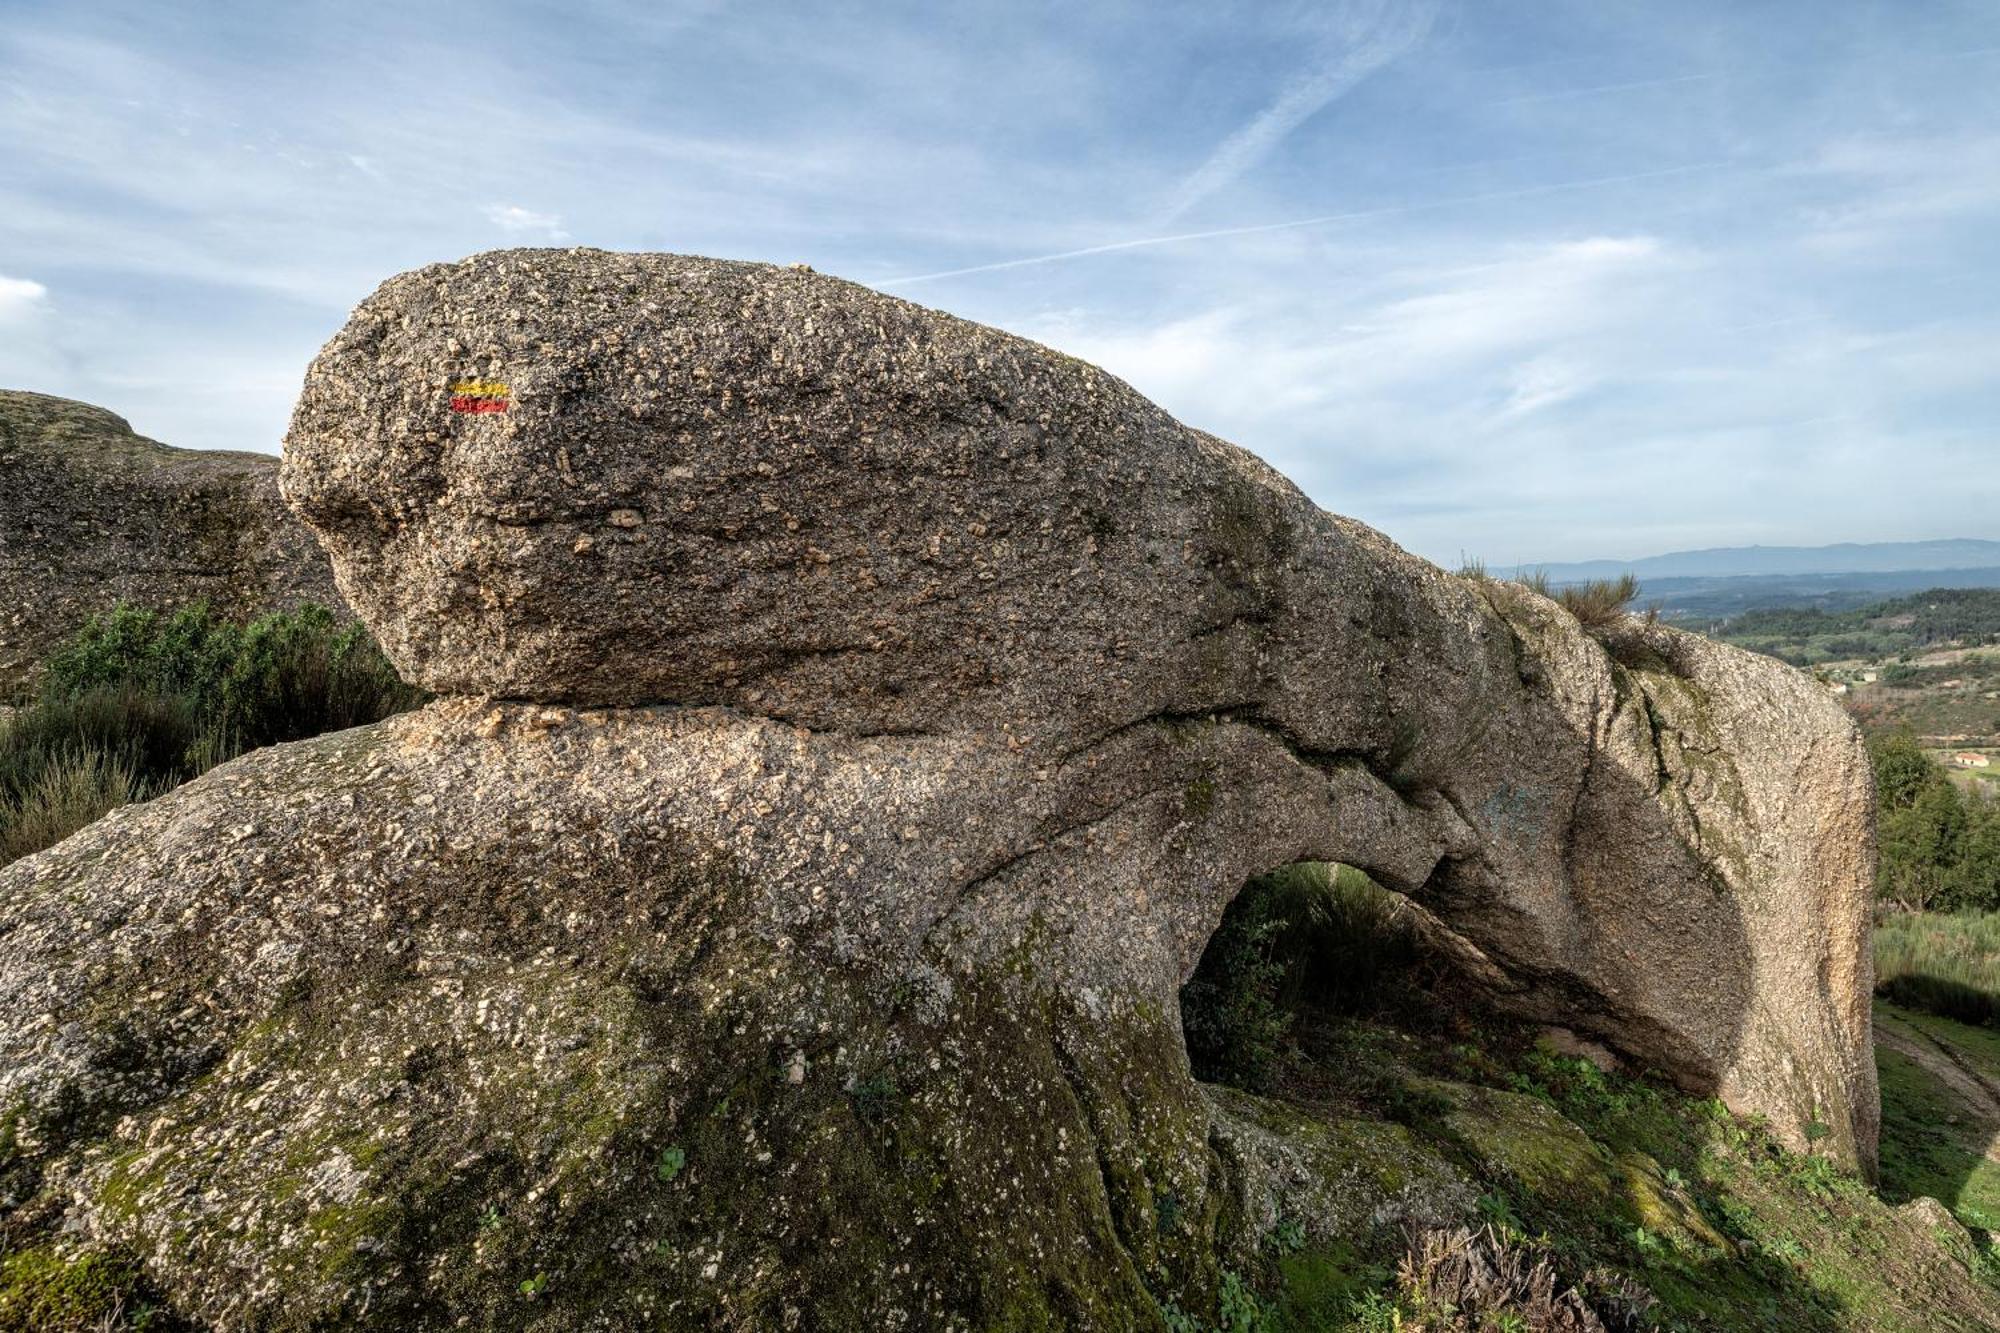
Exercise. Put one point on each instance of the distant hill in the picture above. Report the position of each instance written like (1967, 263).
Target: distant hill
(1959, 553)
(92, 514)
(1728, 580)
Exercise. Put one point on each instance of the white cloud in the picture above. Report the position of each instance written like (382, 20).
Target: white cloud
(1888, 192)
(514, 218)
(19, 298)
(1543, 381)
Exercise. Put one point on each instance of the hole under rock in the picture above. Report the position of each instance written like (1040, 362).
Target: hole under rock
(1302, 954)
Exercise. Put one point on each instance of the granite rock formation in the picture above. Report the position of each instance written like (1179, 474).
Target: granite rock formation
(92, 514)
(858, 722)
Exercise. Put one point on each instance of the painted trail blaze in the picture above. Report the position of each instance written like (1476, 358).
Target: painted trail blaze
(479, 396)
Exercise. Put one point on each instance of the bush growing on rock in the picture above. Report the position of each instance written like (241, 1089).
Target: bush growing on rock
(1600, 602)
(139, 701)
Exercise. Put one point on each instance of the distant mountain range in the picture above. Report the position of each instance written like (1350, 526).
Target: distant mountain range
(1727, 580)
(1840, 558)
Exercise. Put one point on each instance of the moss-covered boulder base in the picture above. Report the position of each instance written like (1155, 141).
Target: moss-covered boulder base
(92, 515)
(859, 721)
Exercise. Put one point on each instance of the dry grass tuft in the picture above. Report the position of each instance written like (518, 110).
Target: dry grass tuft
(1600, 602)
(1478, 1280)
(75, 790)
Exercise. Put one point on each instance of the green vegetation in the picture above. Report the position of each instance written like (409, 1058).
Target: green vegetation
(1939, 1120)
(1807, 636)
(48, 1291)
(1940, 847)
(1942, 964)
(139, 702)
(1310, 936)
(1589, 1191)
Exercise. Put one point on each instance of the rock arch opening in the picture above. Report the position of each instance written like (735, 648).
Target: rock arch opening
(1300, 950)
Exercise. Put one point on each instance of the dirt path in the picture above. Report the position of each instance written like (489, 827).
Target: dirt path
(1979, 1094)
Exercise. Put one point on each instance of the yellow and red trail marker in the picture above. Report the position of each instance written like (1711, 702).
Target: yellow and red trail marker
(479, 396)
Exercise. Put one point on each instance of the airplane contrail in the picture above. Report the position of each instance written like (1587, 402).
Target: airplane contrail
(1144, 242)
(1371, 46)
(1564, 94)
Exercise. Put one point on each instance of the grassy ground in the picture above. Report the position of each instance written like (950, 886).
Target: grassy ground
(1659, 1208)
(1655, 1209)
(1942, 963)
(1940, 1112)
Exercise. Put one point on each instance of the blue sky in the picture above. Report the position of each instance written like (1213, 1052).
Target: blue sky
(1522, 279)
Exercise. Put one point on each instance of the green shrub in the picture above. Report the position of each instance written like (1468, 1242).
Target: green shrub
(282, 677)
(1338, 936)
(1230, 1015)
(138, 702)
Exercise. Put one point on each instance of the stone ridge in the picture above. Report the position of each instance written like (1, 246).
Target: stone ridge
(92, 514)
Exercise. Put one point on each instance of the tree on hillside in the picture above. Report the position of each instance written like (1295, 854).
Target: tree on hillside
(1939, 847)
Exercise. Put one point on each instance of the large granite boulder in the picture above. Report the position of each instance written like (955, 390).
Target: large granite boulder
(862, 719)
(92, 514)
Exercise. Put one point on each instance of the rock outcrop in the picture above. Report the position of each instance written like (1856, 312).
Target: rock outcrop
(92, 514)
(861, 720)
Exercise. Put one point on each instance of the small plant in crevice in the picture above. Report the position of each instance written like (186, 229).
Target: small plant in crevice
(1498, 1212)
(1287, 1236)
(1599, 602)
(875, 1097)
(1239, 1309)
(1176, 1319)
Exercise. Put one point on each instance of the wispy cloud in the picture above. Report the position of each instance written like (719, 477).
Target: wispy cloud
(514, 218)
(20, 297)
(1293, 224)
(1365, 37)
(1601, 89)
(1543, 381)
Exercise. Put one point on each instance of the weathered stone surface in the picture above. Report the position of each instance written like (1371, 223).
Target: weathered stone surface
(897, 705)
(91, 514)
(869, 518)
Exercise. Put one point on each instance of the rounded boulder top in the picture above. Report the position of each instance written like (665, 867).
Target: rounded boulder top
(594, 477)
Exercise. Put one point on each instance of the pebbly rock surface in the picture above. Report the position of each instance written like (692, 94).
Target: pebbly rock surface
(92, 514)
(861, 719)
